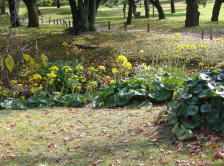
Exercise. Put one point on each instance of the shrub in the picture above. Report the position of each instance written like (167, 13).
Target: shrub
(201, 103)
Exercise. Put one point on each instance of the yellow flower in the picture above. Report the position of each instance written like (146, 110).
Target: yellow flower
(79, 68)
(76, 77)
(92, 68)
(64, 44)
(114, 70)
(51, 75)
(107, 77)
(82, 79)
(204, 47)
(219, 39)
(112, 82)
(67, 69)
(53, 68)
(5, 93)
(164, 52)
(22, 97)
(36, 77)
(32, 90)
(20, 85)
(121, 59)
(77, 86)
(177, 35)
(91, 85)
(13, 82)
(40, 87)
(141, 51)
(102, 68)
(15, 93)
(128, 65)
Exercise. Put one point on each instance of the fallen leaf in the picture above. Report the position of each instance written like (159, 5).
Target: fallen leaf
(164, 161)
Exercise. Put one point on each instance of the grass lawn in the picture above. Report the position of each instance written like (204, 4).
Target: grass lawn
(95, 137)
(172, 23)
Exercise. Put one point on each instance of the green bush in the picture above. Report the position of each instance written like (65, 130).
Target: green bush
(201, 103)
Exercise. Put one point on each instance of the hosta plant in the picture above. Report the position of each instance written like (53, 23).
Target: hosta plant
(201, 103)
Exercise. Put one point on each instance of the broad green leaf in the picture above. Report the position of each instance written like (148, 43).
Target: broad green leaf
(206, 108)
(205, 93)
(9, 62)
(160, 95)
(180, 131)
(174, 130)
(192, 110)
(187, 135)
(198, 89)
(188, 124)
(172, 119)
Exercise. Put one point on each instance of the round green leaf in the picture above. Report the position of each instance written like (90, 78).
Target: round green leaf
(206, 108)
(192, 110)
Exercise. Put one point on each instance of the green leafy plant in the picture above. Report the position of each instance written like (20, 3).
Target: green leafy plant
(201, 103)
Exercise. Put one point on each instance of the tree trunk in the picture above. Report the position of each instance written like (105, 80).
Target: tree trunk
(216, 10)
(31, 6)
(14, 17)
(159, 8)
(92, 15)
(192, 14)
(58, 3)
(146, 3)
(124, 7)
(2, 7)
(83, 11)
(83, 15)
(172, 5)
(130, 11)
(75, 17)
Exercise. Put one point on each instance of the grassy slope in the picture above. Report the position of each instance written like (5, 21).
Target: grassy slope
(110, 44)
(87, 137)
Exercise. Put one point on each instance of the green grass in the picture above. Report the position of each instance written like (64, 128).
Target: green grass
(172, 23)
(84, 137)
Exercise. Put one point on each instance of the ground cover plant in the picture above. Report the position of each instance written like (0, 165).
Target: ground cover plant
(200, 103)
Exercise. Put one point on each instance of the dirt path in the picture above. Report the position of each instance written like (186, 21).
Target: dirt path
(192, 35)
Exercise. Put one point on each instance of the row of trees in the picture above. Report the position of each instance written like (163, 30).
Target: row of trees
(84, 12)
(192, 12)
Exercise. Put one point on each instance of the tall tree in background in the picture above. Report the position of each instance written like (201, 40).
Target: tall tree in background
(83, 14)
(124, 7)
(2, 7)
(192, 13)
(130, 11)
(14, 17)
(159, 8)
(146, 4)
(216, 10)
(58, 3)
(172, 5)
(31, 6)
